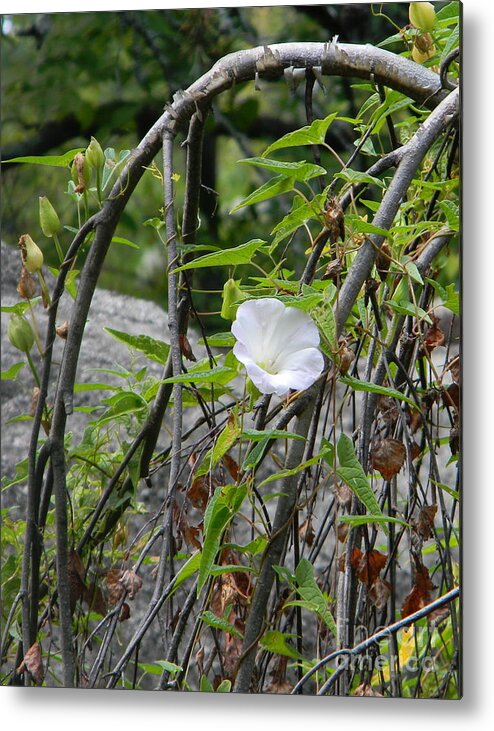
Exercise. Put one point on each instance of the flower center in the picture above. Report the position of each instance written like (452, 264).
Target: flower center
(269, 365)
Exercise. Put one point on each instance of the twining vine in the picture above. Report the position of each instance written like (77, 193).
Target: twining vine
(398, 332)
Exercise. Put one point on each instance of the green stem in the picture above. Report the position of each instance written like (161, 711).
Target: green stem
(35, 330)
(44, 289)
(58, 247)
(33, 369)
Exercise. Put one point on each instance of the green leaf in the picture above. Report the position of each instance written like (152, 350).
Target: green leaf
(277, 643)
(451, 213)
(219, 623)
(301, 171)
(323, 316)
(452, 301)
(125, 242)
(255, 455)
(219, 374)
(222, 507)
(294, 471)
(205, 685)
(187, 570)
(352, 473)
(134, 466)
(11, 373)
(300, 214)
(253, 547)
(226, 439)
(270, 189)
(361, 226)
(226, 257)
(257, 435)
(403, 307)
(82, 387)
(356, 520)
(311, 593)
(124, 402)
(218, 518)
(413, 271)
(313, 134)
(355, 177)
(301, 302)
(169, 667)
(20, 307)
(359, 385)
(59, 161)
(219, 340)
(155, 350)
(452, 42)
(225, 686)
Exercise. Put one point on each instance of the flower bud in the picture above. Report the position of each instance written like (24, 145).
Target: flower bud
(48, 218)
(423, 41)
(420, 56)
(232, 296)
(422, 15)
(94, 154)
(20, 333)
(81, 172)
(31, 254)
(26, 286)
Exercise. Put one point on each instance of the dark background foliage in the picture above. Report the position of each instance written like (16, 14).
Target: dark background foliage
(69, 76)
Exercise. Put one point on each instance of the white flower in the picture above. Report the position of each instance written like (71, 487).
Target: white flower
(278, 346)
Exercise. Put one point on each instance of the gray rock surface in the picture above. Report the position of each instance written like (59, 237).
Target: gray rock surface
(99, 350)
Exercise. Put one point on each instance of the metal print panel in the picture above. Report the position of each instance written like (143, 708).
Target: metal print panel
(231, 438)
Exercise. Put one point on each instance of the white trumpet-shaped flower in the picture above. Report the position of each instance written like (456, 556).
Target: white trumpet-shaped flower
(278, 346)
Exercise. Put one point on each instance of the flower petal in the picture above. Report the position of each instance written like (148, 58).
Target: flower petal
(277, 345)
(300, 369)
(296, 330)
(255, 324)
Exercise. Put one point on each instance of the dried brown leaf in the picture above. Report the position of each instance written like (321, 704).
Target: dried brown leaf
(131, 582)
(451, 396)
(185, 348)
(33, 663)
(232, 467)
(76, 573)
(124, 613)
(433, 337)
(343, 494)
(198, 492)
(306, 532)
(380, 592)
(368, 565)
(366, 689)
(389, 410)
(420, 594)
(388, 456)
(424, 525)
(113, 587)
(454, 367)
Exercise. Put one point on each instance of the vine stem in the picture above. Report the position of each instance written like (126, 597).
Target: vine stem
(272, 555)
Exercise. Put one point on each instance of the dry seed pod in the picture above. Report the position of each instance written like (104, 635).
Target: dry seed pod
(63, 330)
(335, 220)
(382, 260)
(333, 270)
(26, 286)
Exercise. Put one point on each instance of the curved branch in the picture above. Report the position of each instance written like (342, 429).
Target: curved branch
(438, 120)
